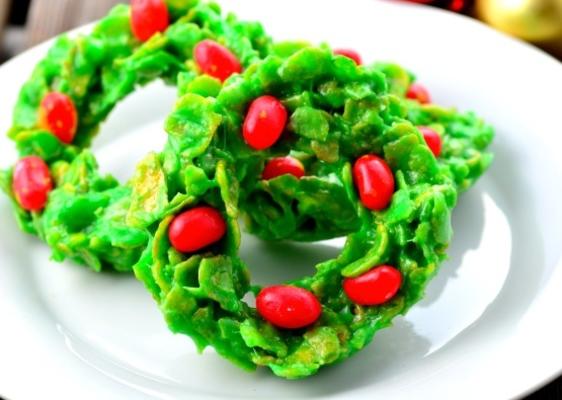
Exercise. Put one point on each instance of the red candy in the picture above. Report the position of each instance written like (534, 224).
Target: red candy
(195, 229)
(349, 53)
(148, 17)
(374, 180)
(432, 139)
(216, 60)
(418, 92)
(31, 183)
(288, 307)
(281, 166)
(374, 287)
(58, 115)
(264, 123)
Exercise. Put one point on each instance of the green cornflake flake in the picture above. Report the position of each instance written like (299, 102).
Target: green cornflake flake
(149, 192)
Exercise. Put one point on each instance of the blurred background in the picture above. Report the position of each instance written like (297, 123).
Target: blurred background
(538, 22)
(25, 23)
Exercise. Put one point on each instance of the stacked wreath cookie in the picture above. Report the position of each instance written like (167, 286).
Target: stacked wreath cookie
(73, 90)
(300, 142)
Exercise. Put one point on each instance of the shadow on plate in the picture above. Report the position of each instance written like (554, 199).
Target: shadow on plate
(528, 267)
(468, 225)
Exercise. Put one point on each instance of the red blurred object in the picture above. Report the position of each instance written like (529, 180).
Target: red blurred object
(458, 5)
(453, 5)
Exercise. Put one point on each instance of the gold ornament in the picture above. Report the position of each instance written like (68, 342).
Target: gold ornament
(537, 21)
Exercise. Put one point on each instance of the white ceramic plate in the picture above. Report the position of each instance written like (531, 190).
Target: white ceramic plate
(490, 324)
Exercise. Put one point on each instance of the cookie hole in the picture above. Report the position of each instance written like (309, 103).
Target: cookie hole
(279, 262)
(134, 128)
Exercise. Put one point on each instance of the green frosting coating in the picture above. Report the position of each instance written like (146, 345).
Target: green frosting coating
(338, 112)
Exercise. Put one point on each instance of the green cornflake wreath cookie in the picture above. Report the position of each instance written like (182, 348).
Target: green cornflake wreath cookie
(56, 188)
(298, 210)
(305, 147)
